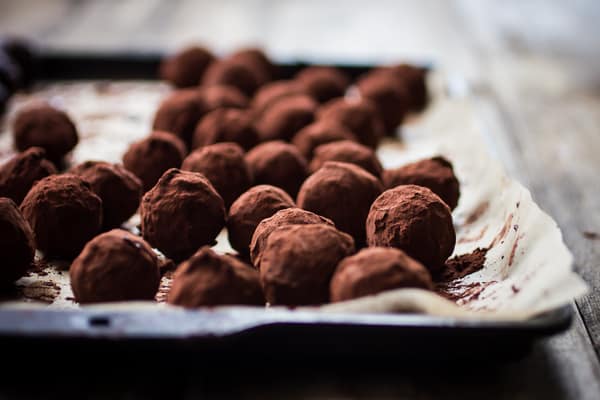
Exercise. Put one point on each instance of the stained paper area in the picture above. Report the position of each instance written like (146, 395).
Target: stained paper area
(528, 268)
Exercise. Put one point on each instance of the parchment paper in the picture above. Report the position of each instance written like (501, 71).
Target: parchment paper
(528, 269)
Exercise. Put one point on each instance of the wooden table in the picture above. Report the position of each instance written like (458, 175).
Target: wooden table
(534, 69)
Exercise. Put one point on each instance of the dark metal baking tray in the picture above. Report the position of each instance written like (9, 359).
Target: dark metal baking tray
(227, 332)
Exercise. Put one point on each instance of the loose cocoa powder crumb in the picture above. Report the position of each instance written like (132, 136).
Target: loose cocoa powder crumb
(462, 265)
(591, 235)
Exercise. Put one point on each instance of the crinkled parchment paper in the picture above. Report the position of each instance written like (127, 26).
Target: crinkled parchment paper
(528, 269)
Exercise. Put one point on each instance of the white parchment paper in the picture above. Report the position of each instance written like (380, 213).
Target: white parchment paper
(528, 269)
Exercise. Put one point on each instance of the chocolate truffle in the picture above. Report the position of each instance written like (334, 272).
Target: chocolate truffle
(343, 193)
(257, 60)
(115, 266)
(287, 216)
(181, 213)
(16, 243)
(298, 261)
(224, 166)
(179, 113)
(226, 125)
(19, 173)
(434, 173)
(286, 116)
(64, 214)
(413, 78)
(249, 209)
(390, 99)
(349, 152)
(46, 127)
(185, 68)
(119, 190)
(211, 279)
(234, 72)
(149, 158)
(318, 133)
(223, 96)
(279, 164)
(414, 219)
(360, 116)
(272, 92)
(323, 83)
(377, 269)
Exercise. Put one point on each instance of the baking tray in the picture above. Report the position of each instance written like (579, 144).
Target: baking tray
(222, 333)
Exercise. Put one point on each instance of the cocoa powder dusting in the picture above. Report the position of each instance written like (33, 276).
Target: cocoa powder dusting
(462, 265)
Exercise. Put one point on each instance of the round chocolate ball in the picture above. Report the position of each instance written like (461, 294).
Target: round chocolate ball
(115, 266)
(226, 125)
(211, 279)
(181, 213)
(287, 216)
(360, 116)
(249, 209)
(19, 173)
(434, 173)
(298, 262)
(286, 116)
(223, 96)
(234, 72)
(46, 127)
(119, 190)
(320, 132)
(17, 245)
(149, 158)
(258, 60)
(343, 193)
(224, 166)
(414, 219)
(374, 270)
(413, 79)
(272, 92)
(64, 214)
(186, 67)
(279, 164)
(349, 152)
(179, 113)
(323, 83)
(390, 99)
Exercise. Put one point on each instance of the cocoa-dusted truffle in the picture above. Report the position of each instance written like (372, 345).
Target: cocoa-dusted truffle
(224, 166)
(179, 113)
(211, 279)
(272, 92)
(434, 173)
(181, 213)
(286, 116)
(414, 219)
(226, 125)
(64, 214)
(249, 209)
(16, 243)
(318, 133)
(19, 173)
(222, 96)
(414, 78)
(323, 83)
(343, 193)
(234, 72)
(115, 266)
(390, 99)
(287, 216)
(149, 158)
(279, 164)
(349, 152)
(377, 269)
(185, 68)
(298, 261)
(256, 59)
(360, 116)
(46, 127)
(119, 190)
